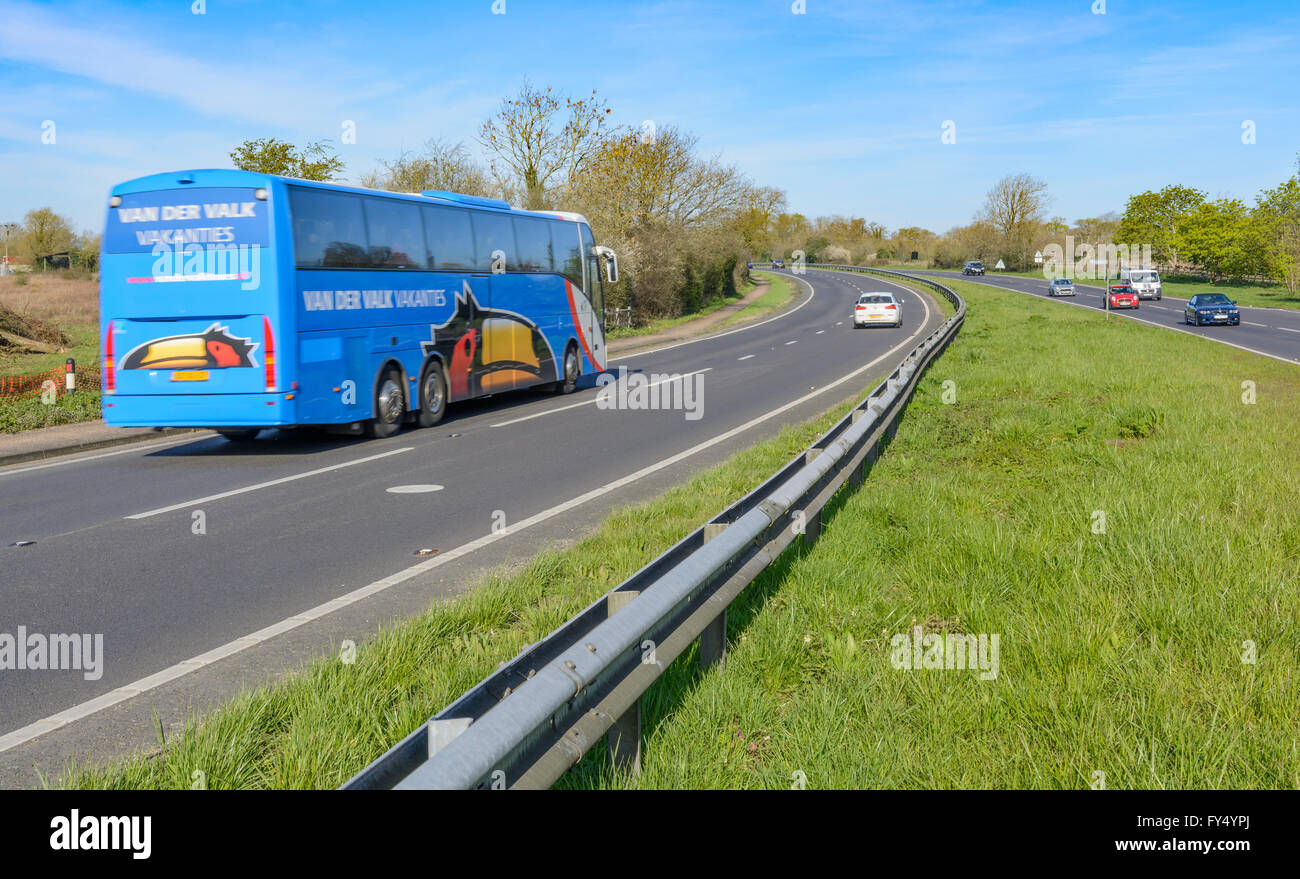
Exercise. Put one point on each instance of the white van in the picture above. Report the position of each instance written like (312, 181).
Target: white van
(1145, 282)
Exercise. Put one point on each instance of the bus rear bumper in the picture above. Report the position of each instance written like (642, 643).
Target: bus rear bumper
(198, 410)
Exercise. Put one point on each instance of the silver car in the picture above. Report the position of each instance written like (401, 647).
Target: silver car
(1060, 287)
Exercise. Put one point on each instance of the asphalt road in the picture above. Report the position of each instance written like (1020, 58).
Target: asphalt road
(1271, 331)
(297, 520)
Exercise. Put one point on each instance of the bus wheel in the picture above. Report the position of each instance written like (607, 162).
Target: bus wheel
(571, 371)
(433, 395)
(238, 435)
(390, 406)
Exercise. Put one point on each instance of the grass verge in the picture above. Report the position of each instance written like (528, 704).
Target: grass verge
(779, 293)
(1249, 293)
(28, 412)
(1126, 653)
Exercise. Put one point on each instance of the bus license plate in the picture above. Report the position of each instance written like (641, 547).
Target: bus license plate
(190, 375)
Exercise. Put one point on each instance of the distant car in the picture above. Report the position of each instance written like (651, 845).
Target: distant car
(1146, 282)
(778, 263)
(974, 267)
(1211, 308)
(1060, 287)
(877, 308)
(1121, 296)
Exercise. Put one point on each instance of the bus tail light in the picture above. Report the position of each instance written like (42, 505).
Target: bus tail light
(110, 378)
(268, 352)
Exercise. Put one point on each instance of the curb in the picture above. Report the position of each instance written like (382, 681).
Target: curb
(72, 448)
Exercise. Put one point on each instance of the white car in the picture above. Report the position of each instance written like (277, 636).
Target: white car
(877, 308)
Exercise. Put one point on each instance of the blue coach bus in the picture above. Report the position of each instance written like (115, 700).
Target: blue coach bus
(241, 301)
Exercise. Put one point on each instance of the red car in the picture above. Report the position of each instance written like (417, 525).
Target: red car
(1122, 296)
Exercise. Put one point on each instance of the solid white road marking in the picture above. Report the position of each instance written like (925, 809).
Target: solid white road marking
(261, 485)
(746, 357)
(592, 400)
(180, 669)
(414, 489)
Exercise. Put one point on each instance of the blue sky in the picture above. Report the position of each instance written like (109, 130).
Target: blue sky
(843, 106)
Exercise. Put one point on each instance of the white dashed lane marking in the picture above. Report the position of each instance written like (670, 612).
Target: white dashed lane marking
(746, 357)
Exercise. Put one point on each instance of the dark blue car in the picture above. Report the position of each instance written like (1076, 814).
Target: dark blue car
(1211, 308)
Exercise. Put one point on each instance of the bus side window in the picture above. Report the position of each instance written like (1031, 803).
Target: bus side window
(328, 229)
(450, 238)
(494, 234)
(534, 241)
(395, 234)
(567, 247)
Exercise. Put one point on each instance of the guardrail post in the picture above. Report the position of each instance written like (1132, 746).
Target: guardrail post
(812, 527)
(713, 640)
(624, 734)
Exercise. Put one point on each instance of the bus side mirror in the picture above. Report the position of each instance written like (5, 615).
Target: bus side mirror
(610, 259)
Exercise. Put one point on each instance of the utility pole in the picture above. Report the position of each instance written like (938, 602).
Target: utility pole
(9, 230)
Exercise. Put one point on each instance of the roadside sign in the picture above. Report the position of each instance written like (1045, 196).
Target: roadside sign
(1000, 265)
(1038, 256)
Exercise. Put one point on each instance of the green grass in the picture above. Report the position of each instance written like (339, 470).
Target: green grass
(318, 728)
(781, 291)
(28, 412)
(1119, 652)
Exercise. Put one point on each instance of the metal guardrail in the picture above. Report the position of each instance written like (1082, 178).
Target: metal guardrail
(524, 725)
(616, 318)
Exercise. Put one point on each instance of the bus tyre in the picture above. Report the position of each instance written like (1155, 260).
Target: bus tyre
(390, 406)
(433, 395)
(572, 370)
(240, 435)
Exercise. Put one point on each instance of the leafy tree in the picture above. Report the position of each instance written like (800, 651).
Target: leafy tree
(1156, 218)
(45, 233)
(1278, 212)
(1219, 236)
(268, 155)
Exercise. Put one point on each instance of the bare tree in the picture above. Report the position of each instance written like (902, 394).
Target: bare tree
(529, 140)
(1015, 206)
(442, 166)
